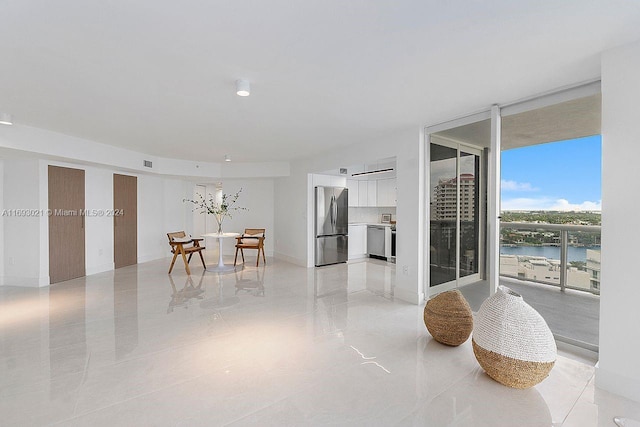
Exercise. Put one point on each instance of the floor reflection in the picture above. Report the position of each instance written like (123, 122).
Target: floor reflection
(331, 296)
(125, 308)
(219, 296)
(377, 277)
(187, 295)
(67, 331)
(250, 280)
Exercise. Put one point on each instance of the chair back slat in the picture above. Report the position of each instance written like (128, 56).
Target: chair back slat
(176, 234)
(254, 230)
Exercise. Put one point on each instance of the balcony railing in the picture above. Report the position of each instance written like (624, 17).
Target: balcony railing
(534, 255)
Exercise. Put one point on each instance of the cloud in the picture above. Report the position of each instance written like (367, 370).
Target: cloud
(548, 204)
(507, 185)
(564, 205)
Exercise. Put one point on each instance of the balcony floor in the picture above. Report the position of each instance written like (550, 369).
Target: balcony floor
(573, 316)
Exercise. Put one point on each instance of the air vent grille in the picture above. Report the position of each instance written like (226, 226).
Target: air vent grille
(148, 164)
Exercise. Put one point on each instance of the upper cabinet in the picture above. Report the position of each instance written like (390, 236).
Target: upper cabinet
(354, 193)
(372, 193)
(367, 194)
(328, 181)
(362, 193)
(371, 184)
(387, 192)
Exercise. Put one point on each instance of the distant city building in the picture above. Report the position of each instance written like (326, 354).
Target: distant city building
(446, 195)
(593, 268)
(541, 269)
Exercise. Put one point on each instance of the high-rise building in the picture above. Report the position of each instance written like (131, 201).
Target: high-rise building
(446, 195)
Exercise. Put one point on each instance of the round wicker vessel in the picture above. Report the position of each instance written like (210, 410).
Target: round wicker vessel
(448, 318)
(512, 342)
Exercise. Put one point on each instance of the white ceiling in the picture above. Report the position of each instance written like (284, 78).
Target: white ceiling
(158, 76)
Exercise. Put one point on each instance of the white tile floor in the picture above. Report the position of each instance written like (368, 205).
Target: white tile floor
(276, 345)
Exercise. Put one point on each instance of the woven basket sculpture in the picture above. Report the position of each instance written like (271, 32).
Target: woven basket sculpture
(512, 342)
(448, 318)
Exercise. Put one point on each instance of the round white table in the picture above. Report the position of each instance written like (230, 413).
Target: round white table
(221, 267)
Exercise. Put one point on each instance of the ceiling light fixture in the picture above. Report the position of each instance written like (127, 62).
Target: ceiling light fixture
(5, 119)
(227, 158)
(243, 88)
(373, 172)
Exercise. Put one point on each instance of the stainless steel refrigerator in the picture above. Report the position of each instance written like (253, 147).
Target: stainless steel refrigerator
(331, 222)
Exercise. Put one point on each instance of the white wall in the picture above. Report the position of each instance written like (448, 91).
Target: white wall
(42, 143)
(290, 219)
(619, 366)
(21, 190)
(258, 197)
(199, 219)
(1, 222)
(294, 205)
(98, 229)
(161, 210)
(25, 186)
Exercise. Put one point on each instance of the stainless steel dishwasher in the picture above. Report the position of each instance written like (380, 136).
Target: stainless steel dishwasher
(376, 241)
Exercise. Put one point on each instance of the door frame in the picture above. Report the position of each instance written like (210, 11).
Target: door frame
(487, 167)
(462, 281)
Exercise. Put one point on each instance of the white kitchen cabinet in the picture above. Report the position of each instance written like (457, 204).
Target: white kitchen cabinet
(328, 181)
(367, 193)
(321, 180)
(362, 193)
(372, 193)
(387, 191)
(357, 241)
(354, 192)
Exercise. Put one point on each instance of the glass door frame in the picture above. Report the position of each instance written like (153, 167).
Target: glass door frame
(465, 280)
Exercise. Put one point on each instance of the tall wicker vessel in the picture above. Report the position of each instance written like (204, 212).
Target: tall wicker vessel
(512, 342)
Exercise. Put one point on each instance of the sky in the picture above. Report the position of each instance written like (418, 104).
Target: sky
(561, 176)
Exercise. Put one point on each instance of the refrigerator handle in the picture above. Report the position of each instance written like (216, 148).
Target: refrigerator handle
(335, 211)
(331, 212)
(333, 216)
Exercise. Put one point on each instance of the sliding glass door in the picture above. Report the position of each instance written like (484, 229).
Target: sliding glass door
(455, 214)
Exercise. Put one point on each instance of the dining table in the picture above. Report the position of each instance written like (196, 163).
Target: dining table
(221, 267)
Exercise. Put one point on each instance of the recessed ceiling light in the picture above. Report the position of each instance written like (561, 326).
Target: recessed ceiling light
(243, 88)
(227, 158)
(5, 119)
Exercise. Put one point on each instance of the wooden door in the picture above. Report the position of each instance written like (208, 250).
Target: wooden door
(125, 220)
(66, 224)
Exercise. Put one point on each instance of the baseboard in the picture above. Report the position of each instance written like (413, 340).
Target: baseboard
(292, 260)
(147, 258)
(618, 384)
(25, 282)
(100, 269)
(408, 296)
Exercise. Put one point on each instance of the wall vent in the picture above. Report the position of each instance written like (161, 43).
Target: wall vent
(148, 164)
(343, 171)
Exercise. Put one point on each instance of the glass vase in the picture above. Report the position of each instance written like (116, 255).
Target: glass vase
(219, 219)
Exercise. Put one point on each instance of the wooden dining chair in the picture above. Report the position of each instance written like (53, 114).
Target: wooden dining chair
(181, 244)
(252, 238)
